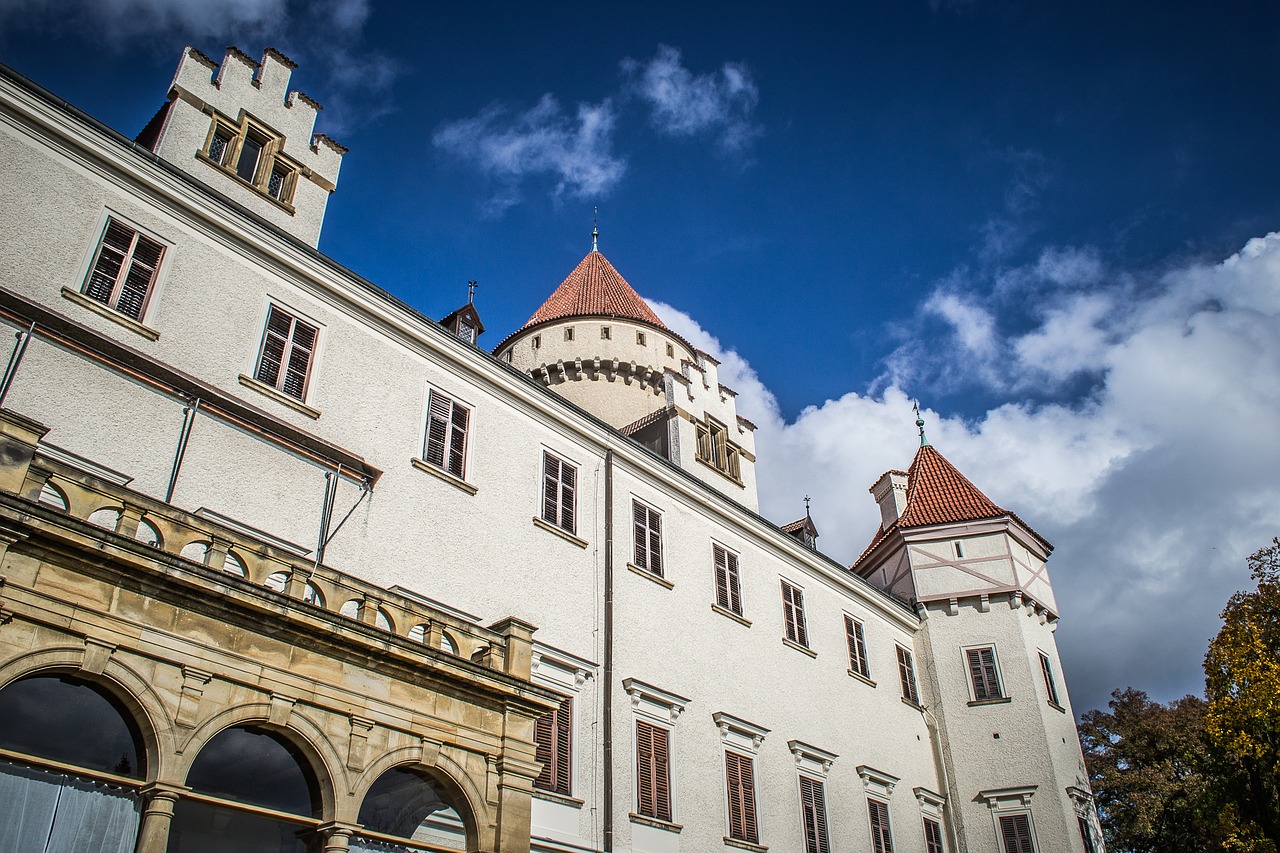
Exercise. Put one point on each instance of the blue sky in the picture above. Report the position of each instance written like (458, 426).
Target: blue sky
(1034, 218)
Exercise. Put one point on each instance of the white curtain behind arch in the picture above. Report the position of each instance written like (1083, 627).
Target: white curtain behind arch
(46, 812)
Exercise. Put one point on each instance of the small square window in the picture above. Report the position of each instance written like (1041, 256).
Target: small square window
(671, 351)
(959, 546)
(568, 333)
(284, 362)
(640, 338)
(537, 341)
(124, 269)
(604, 333)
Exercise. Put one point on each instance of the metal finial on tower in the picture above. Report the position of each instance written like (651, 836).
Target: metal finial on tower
(595, 229)
(471, 291)
(924, 442)
(806, 506)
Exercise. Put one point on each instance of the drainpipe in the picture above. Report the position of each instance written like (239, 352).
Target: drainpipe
(953, 820)
(608, 653)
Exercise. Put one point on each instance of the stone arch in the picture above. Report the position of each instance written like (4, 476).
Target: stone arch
(121, 681)
(303, 732)
(453, 778)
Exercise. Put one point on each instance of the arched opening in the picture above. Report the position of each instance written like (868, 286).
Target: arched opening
(407, 805)
(252, 791)
(72, 761)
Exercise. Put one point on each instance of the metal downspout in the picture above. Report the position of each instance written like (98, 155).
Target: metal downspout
(607, 713)
(953, 820)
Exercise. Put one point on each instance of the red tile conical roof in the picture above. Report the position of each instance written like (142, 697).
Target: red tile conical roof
(594, 288)
(939, 494)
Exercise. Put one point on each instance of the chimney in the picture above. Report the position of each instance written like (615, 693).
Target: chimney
(890, 491)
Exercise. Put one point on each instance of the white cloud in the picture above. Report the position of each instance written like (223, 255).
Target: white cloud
(114, 21)
(576, 151)
(1153, 488)
(684, 104)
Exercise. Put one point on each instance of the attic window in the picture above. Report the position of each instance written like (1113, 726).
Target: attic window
(604, 333)
(671, 351)
(640, 338)
(537, 341)
(568, 333)
(959, 549)
(253, 154)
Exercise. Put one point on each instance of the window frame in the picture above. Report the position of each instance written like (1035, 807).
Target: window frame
(933, 841)
(728, 594)
(296, 318)
(122, 274)
(1050, 683)
(746, 802)
(855, 640)
(448, 453)
(881, 842)
(1030, 838)
(907, 675)
(271, 159)
(558, 520)
(557, 727)
(659, 784)
(712, 447)
(821, 836)
(1086, 834)
(652, 539)
(985, 683)
(795, 628)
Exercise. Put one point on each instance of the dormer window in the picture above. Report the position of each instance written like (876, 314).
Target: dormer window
(715, 449)
(253, 154)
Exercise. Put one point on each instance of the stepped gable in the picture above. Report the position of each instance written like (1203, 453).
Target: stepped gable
(594, 289)
(937, 493)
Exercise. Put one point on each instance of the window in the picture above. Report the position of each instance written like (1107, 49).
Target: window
(982, 673)
(466, 331)
(1015, 832)
(740, 781)
(653, 771)
(287, 347)
(959, 549)
(568, 333)
(881, 838)
(671, 351)
(857, 647)
(793, 614)
(640, 338)
(728, 586)
(1046, 669)
(537, 341)
(553, 734)
(253, 154)
(604, 333)
(715, 449)
(446, 443)
(813, 806)
(647, 524)
(1086, 835)
(933, 836)
(409, 804)
(559, 481)
(907, 675)
(124, 269)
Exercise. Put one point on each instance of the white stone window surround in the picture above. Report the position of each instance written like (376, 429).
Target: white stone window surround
(1007, 802)
(811, 760)
(565, 673)
(1002, 692)
(932, 804)
(660, 708)
(877, 783)
(73, 290)
(1082, 803)
(739, 734)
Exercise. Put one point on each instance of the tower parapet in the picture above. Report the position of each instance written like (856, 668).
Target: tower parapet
(237, 127)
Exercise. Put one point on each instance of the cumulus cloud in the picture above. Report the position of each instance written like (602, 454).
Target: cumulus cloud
(575, 150)
(1153, 488)
(684, 104)
(324, 36)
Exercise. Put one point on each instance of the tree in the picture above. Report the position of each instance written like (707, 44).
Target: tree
(1242, 682)
(1151, 773)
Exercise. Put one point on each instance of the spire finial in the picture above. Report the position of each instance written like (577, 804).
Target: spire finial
(471, 291)
(806, 506)
(924, 442)
(595, 229)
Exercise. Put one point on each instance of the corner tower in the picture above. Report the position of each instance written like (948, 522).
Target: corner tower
(596, 343)
(988, 666)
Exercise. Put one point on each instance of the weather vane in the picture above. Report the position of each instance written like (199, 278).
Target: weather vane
(471, 291)
(595, 229)
(919, 423)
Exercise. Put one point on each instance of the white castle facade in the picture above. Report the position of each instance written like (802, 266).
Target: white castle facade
(323, 575)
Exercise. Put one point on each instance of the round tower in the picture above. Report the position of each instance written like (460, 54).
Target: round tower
(597, 344)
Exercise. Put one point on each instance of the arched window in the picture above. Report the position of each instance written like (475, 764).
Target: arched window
(406, 804)
(253, 767)
(72, 761)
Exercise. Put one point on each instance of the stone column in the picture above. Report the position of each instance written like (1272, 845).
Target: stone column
(157, 814)
(337, 837)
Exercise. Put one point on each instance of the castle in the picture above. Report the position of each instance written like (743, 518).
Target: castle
(287, 566)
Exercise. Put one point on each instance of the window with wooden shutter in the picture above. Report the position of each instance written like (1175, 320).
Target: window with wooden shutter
(287, 347)
(857, 647)
(647, 526)
(933, 837)
(813, 805)
(653, 771)
(553, 734)
(982, 673)
(124, 269)
(740, 781)
(728, 585)
(907, 675)
(1086, 835)
(1050, 686)
(1015, 832)
(446, 442)
(559, 485)
(793, 614)
(881, 838)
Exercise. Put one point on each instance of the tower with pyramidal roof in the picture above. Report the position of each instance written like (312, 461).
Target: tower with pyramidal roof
(988, 671)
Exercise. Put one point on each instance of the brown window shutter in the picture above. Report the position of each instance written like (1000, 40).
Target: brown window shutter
(1015, 831)
(793, 614)
(881, 838)
(438, 410)
(1086, 835)
(543, 738)
(279, 325)
(1050, 686)
(813, 803)
(550, 489)
(553, 738)
(740, 780)
(458, 441)
(982, 671)
(568, 481)
(907, 675)
(655, 543)
(653, 771)
(857, 647)
(932, 837)
(640, 514)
